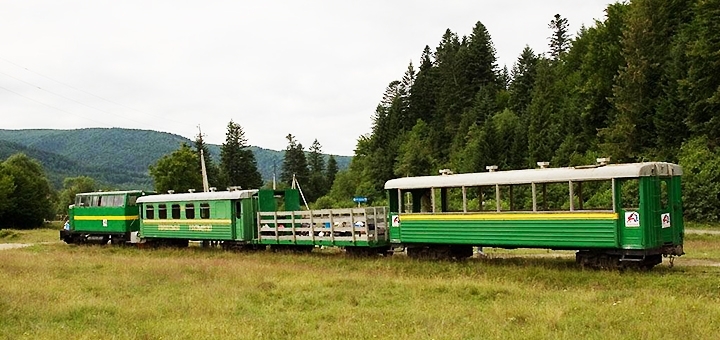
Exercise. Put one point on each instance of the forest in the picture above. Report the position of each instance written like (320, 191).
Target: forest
(641, 84)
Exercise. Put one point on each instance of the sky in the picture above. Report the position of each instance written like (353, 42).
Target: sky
(313, 69)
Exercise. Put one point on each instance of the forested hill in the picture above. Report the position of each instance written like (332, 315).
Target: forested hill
(117, 157)
(642, 83)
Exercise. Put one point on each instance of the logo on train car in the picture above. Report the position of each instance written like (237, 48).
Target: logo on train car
(200, 228)
(395, 220)
(665, 218)
(632, 219)
(105, 223)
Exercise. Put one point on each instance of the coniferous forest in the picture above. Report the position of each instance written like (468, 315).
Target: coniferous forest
(640, 84)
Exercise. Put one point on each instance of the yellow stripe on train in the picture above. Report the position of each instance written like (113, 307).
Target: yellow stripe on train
(512, 217)
(189, 221)
(109, 218)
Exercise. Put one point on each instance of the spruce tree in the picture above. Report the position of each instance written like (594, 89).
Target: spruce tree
(560, 39)
(238, 164)
(316, 162)
(330, 172)
(294, 163)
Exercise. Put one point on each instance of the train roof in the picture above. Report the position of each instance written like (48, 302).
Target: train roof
(117, 192)
(198, 196)
(547, 175)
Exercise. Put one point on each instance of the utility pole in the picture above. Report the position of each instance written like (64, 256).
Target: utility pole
(206, 186)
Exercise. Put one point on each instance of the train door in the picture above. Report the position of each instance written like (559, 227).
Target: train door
(630, 212)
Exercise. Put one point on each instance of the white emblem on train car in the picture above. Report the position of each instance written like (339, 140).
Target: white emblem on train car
(395, 220)
(665, 218)
(632, 219)
(105, 223)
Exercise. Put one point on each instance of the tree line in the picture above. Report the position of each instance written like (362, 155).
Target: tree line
(642, 84)
(237, 167)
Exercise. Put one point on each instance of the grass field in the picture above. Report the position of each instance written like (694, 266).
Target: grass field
(56, 291)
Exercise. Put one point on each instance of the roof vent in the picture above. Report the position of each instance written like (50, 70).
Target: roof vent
(234, 188)
(213, 189)
(491, 168)
(543, 165)
(171, 192)
(191, 191)
(603, 161)
(445, 172)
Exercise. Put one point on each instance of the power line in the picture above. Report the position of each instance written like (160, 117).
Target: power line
(53, 107)
(83, 91)
(70, 99)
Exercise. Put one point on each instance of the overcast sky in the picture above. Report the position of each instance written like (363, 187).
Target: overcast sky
(315, 69)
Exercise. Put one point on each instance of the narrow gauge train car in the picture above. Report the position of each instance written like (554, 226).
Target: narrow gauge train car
(254, 219)
(99, 217)
(624, 215)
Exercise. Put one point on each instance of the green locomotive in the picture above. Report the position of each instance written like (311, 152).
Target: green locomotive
(100, 217)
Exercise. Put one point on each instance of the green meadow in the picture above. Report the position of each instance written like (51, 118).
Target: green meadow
(58, 291)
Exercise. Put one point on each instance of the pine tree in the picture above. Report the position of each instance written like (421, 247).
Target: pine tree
(294, 163)
(330, 172)
(523, 80)
(316, 162)
(646, 47)
(560, 39)
(238, 164)
(702, 86)
(421, 103)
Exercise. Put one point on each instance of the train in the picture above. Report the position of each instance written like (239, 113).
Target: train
(613, 216)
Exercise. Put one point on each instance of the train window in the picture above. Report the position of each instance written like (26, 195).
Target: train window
(553, 196)
(238, 209)
(94, 201)
(664, 193)
(175, 211)
(131, 201)
(111, 201)
(453, 200)
(149, 211)
(162, 211)
(82, 201)
(205, 210)
(630, 194)
(520, 197)
(190, 211)
(593, 195)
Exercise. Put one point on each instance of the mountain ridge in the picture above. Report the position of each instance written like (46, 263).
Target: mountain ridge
(115, 156)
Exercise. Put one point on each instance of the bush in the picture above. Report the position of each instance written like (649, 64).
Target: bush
(701, 180)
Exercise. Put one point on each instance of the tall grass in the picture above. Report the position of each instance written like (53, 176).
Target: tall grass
(59, 291)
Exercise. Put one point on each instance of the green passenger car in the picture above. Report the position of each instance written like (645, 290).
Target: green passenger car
(103, 216)
(615, 215)
(226, 217)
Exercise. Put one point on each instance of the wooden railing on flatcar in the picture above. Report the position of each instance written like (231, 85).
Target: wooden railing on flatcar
(349, 225)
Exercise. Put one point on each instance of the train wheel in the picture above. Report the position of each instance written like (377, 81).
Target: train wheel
(461, 252)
